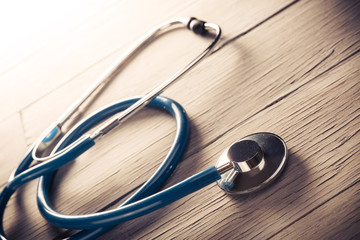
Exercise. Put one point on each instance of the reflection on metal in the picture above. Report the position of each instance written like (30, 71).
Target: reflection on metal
(257, 159)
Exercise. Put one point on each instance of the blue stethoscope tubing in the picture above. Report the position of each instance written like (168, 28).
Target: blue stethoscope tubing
(265, 152)
(77, 141)
(144, 201)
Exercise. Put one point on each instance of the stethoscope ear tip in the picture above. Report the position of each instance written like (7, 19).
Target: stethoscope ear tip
(257, 160)
(197, 26)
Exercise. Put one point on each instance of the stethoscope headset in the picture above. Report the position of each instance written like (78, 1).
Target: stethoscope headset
(249, 164)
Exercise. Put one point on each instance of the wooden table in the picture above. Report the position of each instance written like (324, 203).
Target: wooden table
(288, 67)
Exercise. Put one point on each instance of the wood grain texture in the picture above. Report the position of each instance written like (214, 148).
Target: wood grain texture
(286, 67)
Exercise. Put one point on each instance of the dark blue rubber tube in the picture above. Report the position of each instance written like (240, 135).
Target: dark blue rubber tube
(150, 187)
(129, 211)
(145, 200)
(37, 171)
(22, 174)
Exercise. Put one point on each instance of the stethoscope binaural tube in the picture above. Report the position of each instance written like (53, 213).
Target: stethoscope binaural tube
(54, 132)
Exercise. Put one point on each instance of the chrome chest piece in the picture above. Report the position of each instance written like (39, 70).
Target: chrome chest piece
(257, 160)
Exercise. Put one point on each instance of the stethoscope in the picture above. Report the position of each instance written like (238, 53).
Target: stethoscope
(249, 164)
